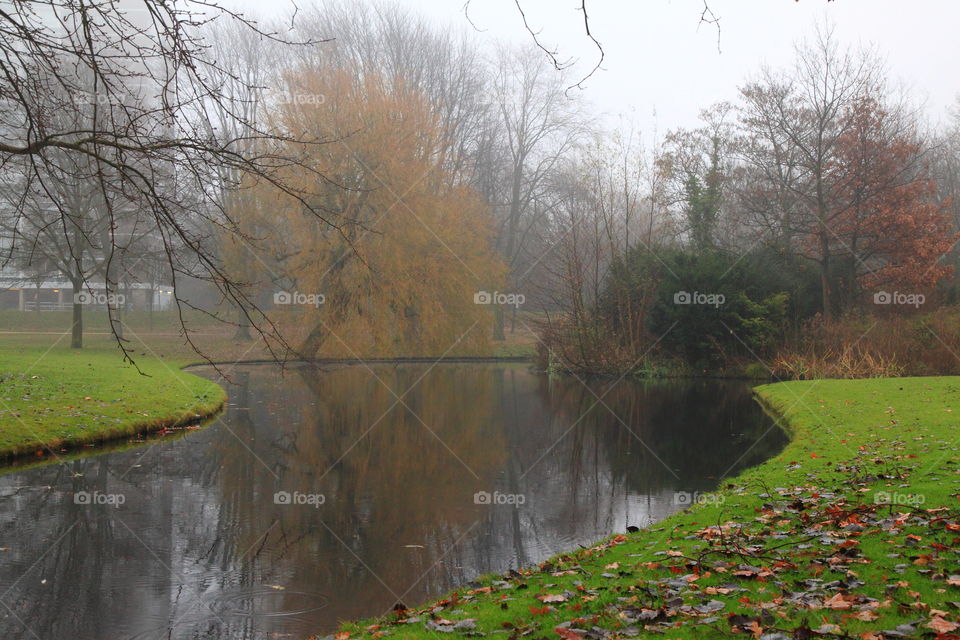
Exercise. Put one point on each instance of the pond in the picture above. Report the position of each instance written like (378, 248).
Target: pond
(331, 493)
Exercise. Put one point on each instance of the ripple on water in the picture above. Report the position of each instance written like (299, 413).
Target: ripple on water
(219, 615)
(267, 602)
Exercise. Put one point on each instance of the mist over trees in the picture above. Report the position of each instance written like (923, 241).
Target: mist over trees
(817, 195)
(359, 180)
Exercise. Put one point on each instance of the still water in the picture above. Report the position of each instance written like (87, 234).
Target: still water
(332, 493)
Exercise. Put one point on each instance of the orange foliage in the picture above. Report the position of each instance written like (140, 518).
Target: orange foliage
(410, 246)
(890, 219)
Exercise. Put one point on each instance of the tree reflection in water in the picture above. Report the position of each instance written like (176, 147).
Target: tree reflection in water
(199, 549)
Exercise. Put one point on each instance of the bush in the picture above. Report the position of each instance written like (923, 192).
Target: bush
(713, 307)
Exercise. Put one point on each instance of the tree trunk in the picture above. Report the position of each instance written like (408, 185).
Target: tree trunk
(76, 281)
(243, 327)
(308, 350)
(498, 322)
(513, 223)
(76, 332)
(825, 288)
(150, 295)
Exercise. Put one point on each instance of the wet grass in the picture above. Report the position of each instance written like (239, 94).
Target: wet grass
(54, 398)
(853, 531)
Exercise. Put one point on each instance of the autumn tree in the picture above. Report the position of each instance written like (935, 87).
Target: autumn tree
(794, 123)
(399, 273)
(891, 226)
(401, 47)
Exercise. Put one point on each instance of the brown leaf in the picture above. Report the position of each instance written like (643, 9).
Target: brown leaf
(940, 625)
(838, 601)
(865, 615)
(552, 598)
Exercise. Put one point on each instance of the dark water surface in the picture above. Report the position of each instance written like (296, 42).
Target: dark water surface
(222, 534)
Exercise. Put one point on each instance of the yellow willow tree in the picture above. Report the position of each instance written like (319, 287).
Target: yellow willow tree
(399, 272)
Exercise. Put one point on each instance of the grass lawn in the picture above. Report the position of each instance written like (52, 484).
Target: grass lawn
(853, 531)
(53, 397)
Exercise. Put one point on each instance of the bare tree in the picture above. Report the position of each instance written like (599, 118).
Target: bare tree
(67, 215)
(538, 124)
(157, 95)
(604, 210)
(946, 163)
(247, 70)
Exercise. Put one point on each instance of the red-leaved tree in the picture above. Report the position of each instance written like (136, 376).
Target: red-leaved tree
(889, 223)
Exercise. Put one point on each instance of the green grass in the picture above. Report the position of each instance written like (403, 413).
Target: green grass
(802, 546)
(53, 398)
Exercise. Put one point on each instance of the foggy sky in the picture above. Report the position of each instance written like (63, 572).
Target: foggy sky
(661, 60)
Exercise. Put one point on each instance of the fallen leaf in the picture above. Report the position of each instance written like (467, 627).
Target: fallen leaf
(940, 625)
(837, 602)
(552, 598)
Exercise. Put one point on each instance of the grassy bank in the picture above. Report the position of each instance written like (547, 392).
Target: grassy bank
(852, 531)
(52, 397)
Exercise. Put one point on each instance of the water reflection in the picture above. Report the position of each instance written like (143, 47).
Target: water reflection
(399, 456)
